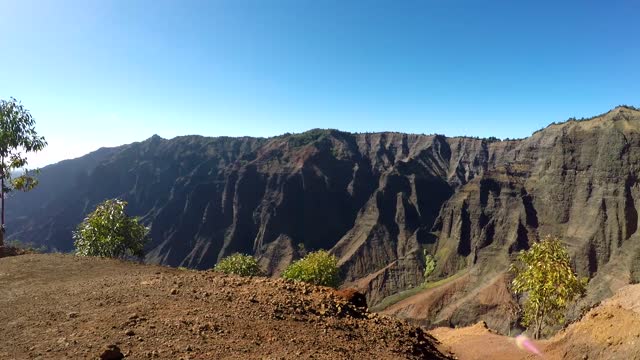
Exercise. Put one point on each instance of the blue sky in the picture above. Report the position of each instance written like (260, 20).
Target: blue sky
(104, 73)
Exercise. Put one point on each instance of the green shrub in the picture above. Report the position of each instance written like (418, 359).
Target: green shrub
(307, 137)
(429, 264)
(109, 232)
(318, 268)
(239, 264)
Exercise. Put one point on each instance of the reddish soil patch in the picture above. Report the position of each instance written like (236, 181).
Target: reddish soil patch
(609, 331)
(479, 343)
(67, 307)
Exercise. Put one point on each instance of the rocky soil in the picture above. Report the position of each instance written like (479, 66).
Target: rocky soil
(67, 307)
(611, 330)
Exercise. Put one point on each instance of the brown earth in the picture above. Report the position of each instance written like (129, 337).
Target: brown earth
(66, 307)
(459, 301)
(610, 331)
(477, 342)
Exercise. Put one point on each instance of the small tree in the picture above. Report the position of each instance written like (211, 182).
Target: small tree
(544, 273)
(318, 268)
(429, 264)
(239, 264)
(17, 136)
(109, 232)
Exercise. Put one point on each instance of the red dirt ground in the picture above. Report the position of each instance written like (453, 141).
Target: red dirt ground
(67, 307)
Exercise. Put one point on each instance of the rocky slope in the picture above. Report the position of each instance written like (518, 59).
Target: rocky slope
(610, 330)
(66, 307)
(377, 201)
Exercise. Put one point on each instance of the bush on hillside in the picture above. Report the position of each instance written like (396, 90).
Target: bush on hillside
(429, 264)
(239, 264)
(544, 273)
(109, 232)
(317, 268)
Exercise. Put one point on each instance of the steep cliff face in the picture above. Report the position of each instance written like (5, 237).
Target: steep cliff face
(577, 180)
(377, 201)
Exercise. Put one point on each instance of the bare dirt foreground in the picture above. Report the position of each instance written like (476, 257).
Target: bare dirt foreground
(66, 307)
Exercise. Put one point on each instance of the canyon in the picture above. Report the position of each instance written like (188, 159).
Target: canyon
(378, 201)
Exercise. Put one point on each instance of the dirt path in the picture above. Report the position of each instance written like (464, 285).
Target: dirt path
(478, 343)
(66, 307)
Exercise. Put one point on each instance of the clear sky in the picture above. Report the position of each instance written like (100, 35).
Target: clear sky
(108, 72)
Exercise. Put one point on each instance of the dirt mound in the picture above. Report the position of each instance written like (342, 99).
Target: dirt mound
(60, 306)
(608, 331)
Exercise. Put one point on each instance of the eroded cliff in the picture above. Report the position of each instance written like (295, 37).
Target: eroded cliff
(377, 201)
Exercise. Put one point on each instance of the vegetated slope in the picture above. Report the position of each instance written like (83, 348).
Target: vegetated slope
(60, 306)
(376, 201)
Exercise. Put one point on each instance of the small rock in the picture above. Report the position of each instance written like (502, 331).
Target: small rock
(130, 332)
(72, 315)
(112, 353)
(174, 291)
(352, 296)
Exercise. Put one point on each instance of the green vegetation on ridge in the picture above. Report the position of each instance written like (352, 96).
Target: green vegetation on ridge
(317, 268)
(109, 232)
(239, 264)
(397, 297)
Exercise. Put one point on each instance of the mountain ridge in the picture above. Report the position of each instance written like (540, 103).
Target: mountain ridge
(375, 200)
